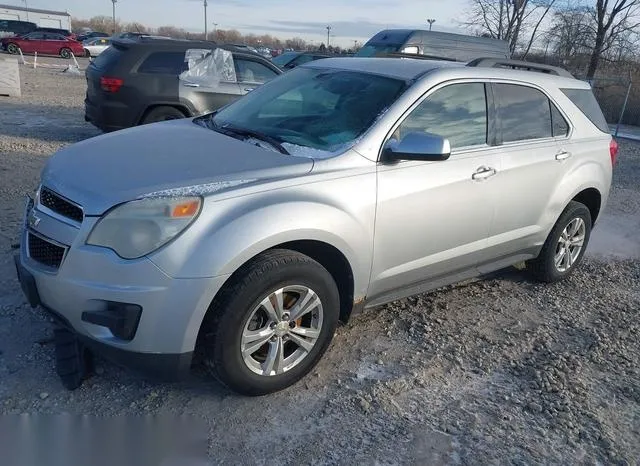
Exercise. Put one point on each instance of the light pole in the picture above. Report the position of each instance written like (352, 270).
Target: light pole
(114, 15)
(205, 19)
(328, 35)
(215, 30)
(431, 21)
(26, 9)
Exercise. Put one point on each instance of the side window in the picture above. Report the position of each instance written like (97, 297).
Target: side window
(302, 59)
(35, 36)
(163, 63)
(457, 112)
(249, 71)
(525, 113)
(560, 127)
(50, 36)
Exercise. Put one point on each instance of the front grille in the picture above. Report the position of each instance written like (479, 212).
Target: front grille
(45, 252)
(60, 205)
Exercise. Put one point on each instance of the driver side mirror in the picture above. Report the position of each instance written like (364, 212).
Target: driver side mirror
(417, 145)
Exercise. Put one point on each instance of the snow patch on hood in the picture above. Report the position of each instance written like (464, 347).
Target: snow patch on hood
(198, 190)
(309, 152)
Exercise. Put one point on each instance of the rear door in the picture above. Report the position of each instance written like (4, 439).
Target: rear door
(533, 135)
(210, 82)
(53, 43)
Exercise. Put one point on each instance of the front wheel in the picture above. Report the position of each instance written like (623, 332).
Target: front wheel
(65, 53)
(565, 246)
(271, 325)
(13, 49)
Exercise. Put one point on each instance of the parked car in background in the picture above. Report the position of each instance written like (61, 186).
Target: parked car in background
(91, 35)
(457, 47)
(247, 235)
(146, 80)
(11, 28)
(46, 43)
(62, 32)
(290, 60)
(94, 47)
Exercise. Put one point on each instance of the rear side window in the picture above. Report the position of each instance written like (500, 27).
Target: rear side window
(586, 102)
(164, 63)
(107, 58)
(525, 113)
(249, 71)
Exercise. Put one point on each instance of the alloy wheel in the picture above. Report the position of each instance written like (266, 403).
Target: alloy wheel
(570, 244)
(282, 330)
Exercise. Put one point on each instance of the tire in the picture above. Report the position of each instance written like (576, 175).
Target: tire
(13, 49)
(66, 53)
(73, 361)
(231, 315)
(544, 267)
(163, 113)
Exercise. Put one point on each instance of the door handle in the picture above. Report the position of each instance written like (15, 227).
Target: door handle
(191, 84)
(483, 173)
(563, 155)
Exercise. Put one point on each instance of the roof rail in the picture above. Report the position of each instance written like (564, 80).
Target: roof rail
(519, 65)
(416, 55)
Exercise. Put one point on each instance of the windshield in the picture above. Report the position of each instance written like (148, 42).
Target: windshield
(285, 58)
(314, 108)
(372, 50)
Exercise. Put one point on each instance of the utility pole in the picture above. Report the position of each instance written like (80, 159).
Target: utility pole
(431, 21)
(328, 35)
(114, 15)
(26, 8)
(205, 19)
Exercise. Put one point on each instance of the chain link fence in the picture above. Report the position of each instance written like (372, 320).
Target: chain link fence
(619, 99)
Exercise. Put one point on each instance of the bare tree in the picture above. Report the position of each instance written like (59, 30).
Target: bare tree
(612, 20)
(509, 20)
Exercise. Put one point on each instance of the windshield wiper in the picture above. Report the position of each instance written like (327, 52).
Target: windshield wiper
(249, 133)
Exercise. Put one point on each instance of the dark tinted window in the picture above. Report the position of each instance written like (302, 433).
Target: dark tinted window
(525, 113)
(302, 59)
(586, 102)
(285, 58)
(249, 71)
(107, 58)
(457, 112)
(35, 36)
(560, 125)
(50, 36)
(164, 63)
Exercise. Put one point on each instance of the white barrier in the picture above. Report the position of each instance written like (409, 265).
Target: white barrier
(51, 66)
(9, 77)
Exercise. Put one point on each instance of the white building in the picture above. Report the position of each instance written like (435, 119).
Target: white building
(43, 18)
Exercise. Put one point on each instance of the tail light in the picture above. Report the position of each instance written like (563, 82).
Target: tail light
(613, 150)
(112, 85)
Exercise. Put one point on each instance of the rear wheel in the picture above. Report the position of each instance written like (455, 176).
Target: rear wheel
(163, 113)
(272, 324)
(13, 49)
(65, 53)
(565, 246)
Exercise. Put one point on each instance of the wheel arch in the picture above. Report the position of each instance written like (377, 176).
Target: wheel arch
(182, 108)
(592, 199)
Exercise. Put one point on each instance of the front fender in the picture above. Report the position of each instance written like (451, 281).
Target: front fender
(229, 233)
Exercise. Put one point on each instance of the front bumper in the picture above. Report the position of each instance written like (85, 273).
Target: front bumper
(90, 278)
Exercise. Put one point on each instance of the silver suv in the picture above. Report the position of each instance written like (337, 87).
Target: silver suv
(248, 234)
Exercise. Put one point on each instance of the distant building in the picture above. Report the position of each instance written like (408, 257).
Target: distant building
(43, 18)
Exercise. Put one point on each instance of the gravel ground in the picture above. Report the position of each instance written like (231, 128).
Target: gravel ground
(502, 370)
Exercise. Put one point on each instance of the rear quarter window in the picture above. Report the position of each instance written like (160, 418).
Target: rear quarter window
(172, 63)
(587, 103)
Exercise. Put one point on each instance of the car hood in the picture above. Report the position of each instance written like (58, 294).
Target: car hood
(169, 158)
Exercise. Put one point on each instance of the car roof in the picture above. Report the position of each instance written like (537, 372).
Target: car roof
(412, 69)
(399, 68)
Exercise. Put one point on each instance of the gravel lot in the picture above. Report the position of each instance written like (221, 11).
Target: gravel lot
(502, 370)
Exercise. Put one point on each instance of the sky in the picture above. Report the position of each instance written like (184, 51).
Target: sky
(350, 19)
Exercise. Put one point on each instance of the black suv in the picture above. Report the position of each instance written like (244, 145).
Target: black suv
(143, 81)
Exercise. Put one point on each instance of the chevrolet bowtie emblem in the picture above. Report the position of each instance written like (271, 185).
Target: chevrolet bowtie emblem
(33, 219)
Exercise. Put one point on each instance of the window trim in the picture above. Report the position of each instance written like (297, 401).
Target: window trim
(491, 116)
(501, 143)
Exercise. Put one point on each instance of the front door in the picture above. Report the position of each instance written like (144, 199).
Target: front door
(433, 218)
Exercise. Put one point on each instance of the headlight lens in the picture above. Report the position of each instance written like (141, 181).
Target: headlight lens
(138, 228)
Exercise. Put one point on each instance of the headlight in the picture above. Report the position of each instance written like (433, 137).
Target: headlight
(138, 228)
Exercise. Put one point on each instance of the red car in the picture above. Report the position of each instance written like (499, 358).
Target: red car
(46, 43)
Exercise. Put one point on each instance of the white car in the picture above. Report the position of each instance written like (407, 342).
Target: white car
(94, 47)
